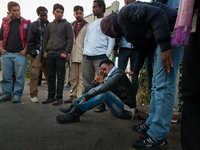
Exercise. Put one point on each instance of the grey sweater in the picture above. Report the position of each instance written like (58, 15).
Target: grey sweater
(58, 37)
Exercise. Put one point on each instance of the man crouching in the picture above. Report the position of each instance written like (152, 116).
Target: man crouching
(112, 87)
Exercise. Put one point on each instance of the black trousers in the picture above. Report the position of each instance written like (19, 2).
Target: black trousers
(55, 67)
(190, 126)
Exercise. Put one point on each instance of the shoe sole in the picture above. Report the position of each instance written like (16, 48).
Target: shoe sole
(140, 132)
(57, 104)
(48, 102)
(157, 147)
(16, 101)
(5, 99)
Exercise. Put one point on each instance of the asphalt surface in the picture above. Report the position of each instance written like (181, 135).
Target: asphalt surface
(32, 126)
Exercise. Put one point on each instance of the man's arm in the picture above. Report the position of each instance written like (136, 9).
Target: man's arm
(31, 39)
(111, 44)
(45, 41)
(3, 51)
(69, 38)
(111, 83)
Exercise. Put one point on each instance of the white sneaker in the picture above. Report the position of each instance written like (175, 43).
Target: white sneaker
(34, 100)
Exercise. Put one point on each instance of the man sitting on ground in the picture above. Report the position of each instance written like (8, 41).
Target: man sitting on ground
(112, 87)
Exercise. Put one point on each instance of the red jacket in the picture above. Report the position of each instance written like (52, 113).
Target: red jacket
(22, 30)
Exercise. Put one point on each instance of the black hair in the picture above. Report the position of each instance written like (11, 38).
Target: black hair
(106, 61)
(56, 6)
(77, 7)
(41, 9)
(101, 3)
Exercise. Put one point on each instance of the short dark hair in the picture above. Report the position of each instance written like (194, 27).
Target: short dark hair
(11, 4)
(41, 9)
(106, 61)
(56, 6)
(77, 7)
(101, 3)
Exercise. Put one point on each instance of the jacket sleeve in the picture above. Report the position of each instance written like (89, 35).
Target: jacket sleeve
(1, 32)
(45, 40)
(106, 86)
(69, 38)
(31, 38)
(146, 15)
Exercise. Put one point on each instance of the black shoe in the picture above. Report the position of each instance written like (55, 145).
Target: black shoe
(66, 110)
(147, 142)
(100, 108)
(72, 116)
(69, 100)
(57, 102)
(141, 128)
(49, 100)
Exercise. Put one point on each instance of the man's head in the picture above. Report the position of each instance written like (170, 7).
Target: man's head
(14, 10)
(58, 11)
(106, 65)
(42, 13)
(78, 13)
(126, 2)
(98, 8)
(109, 25)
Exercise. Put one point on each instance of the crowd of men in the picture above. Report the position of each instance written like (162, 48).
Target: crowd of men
(140, 30)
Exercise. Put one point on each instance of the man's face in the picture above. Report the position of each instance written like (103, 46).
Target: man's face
(106, 68)
(43, 16)
(15, 12)
(58, 14)
(96, 9)
(126, 2)
(78, 15)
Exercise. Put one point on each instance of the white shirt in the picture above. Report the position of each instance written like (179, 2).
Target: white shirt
(95, 42)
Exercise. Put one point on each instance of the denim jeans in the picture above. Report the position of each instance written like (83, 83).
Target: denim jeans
(124, 55)
(114, 104)
(13, 62)
(55, 68)
(162, 95)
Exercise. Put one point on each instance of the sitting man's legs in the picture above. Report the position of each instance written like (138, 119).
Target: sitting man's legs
(115, 105)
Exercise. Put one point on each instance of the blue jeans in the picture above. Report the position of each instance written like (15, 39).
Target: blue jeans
(124, 55)
(114, 104)
(162, 95)
(13, 62)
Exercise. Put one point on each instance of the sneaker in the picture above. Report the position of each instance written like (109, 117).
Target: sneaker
(147, 142)
(16, 99)
(174, 118)
(34, 100)
(141, 128)
(49, 100)
(57, 102)
(4, 98)
(69, 100)
(100, 108)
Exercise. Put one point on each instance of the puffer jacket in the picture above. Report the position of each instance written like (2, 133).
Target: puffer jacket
(119, 84)
(144, 25)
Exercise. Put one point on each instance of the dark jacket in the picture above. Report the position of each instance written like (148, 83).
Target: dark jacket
(119, 84)
(33, 40)
(58, 37)
(143, 24)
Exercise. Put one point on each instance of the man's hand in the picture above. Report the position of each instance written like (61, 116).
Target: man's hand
(45, 56)
(3, 51)
(100, 77)
(82, 101)
(23, 52)
(131, 73)
(167, 60)
(63, 56)
(116, 53)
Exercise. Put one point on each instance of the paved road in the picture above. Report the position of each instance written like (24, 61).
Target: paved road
(30, 126)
